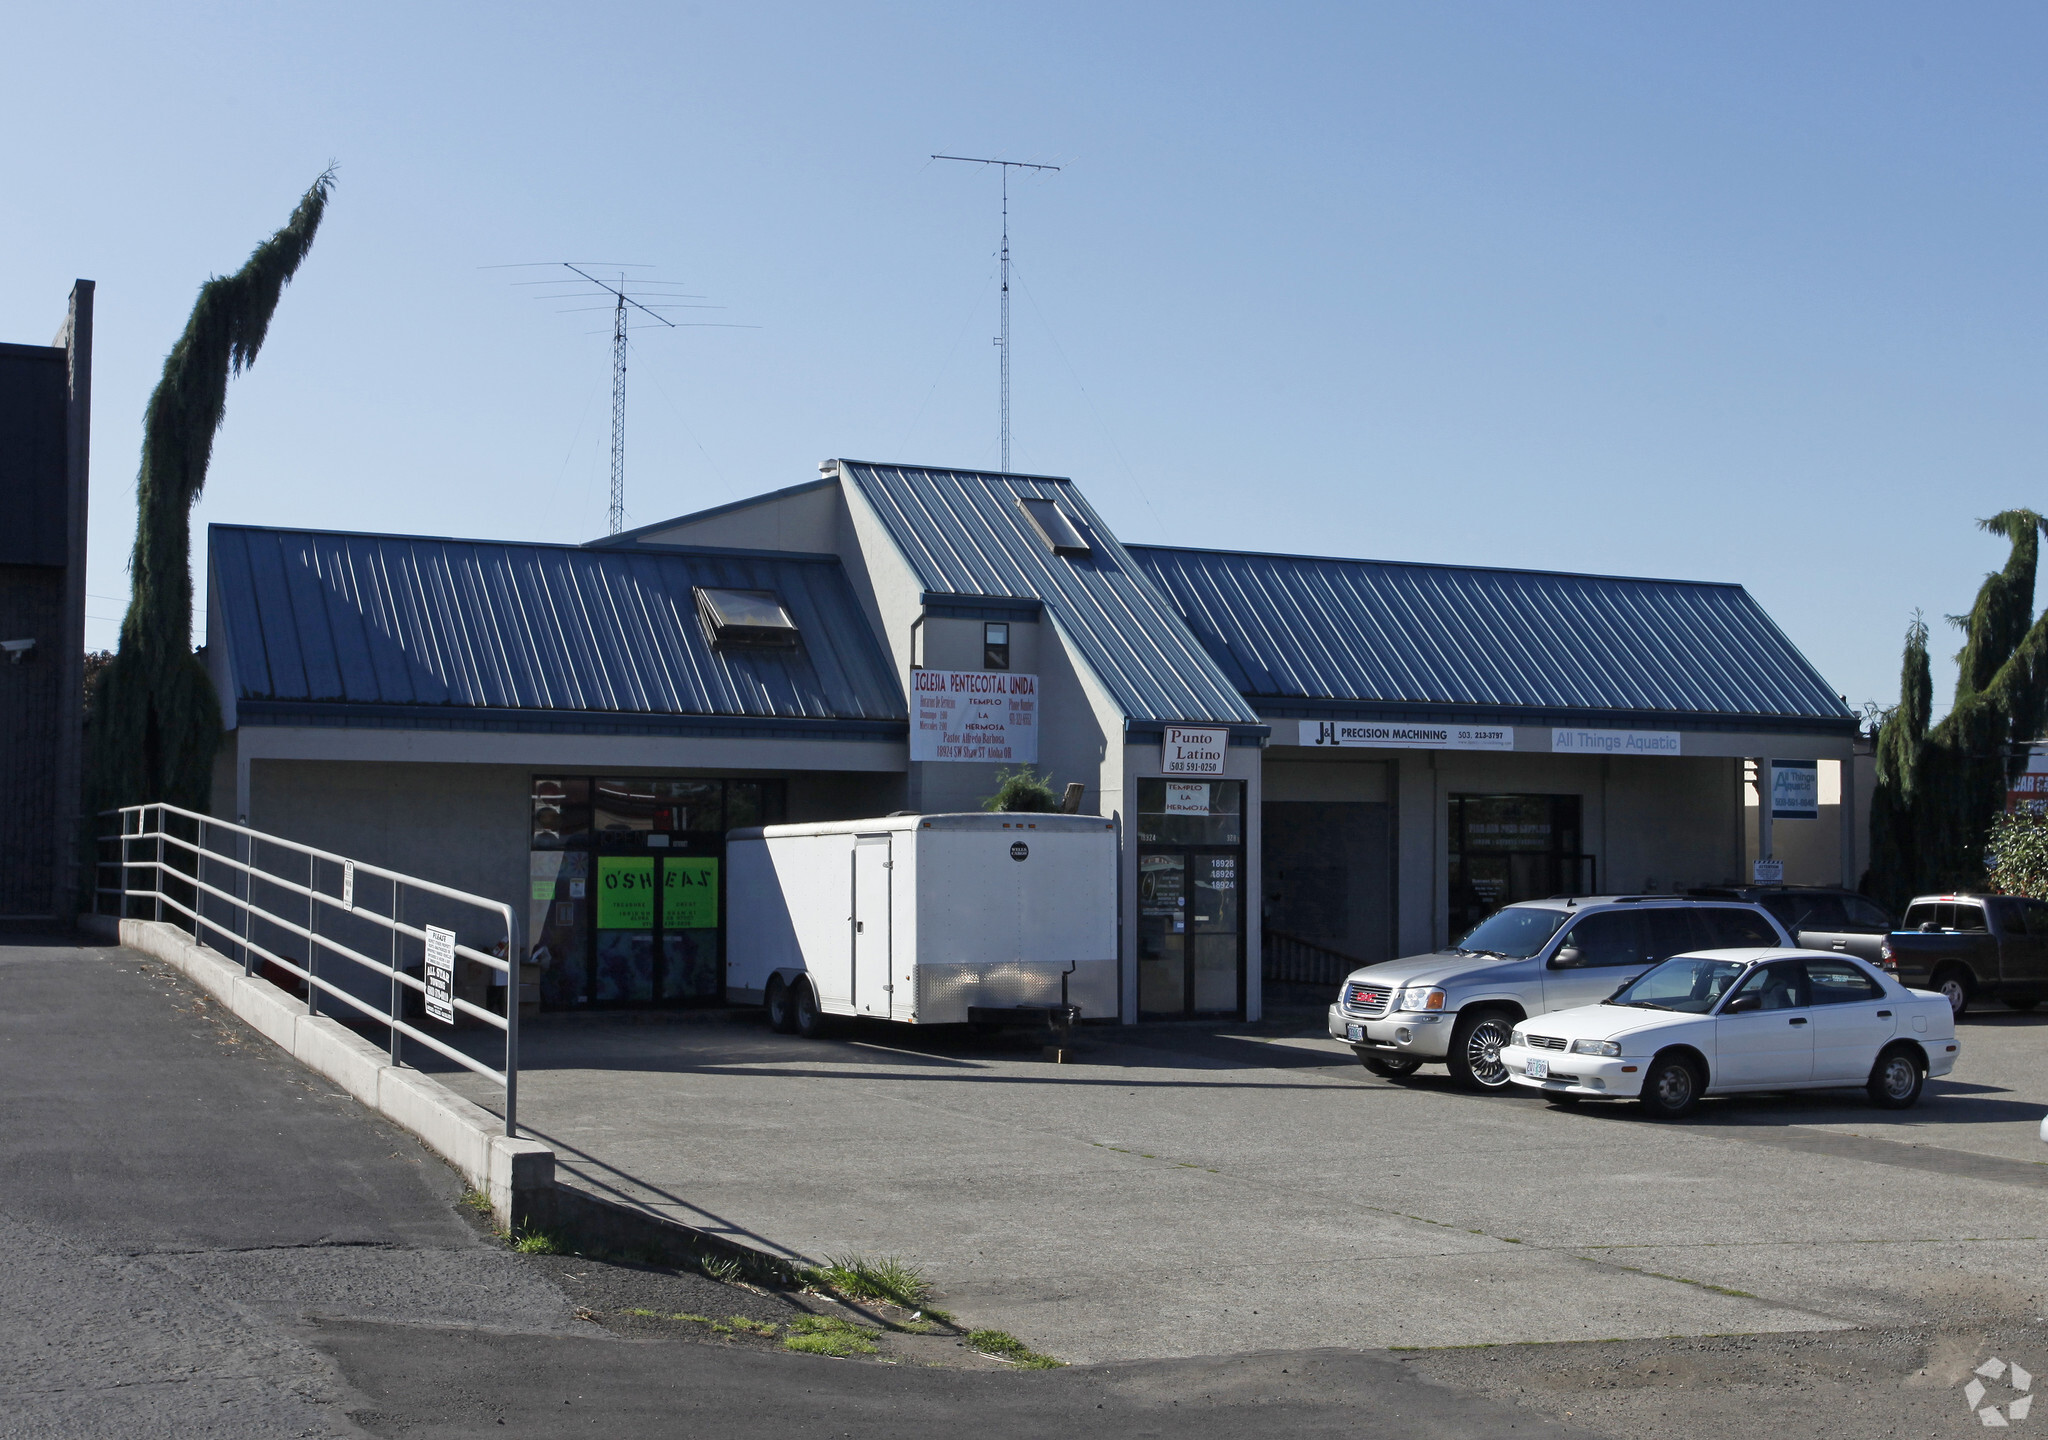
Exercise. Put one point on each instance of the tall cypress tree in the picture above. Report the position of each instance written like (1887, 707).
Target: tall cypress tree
(155, 717)
(1938, 788)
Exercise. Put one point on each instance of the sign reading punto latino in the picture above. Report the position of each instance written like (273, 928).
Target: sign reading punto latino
(1192, 752)
(974, 715)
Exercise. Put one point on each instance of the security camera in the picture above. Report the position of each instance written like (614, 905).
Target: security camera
(17, 650)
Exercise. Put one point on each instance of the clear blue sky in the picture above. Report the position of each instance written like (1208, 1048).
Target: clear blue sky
(1734, 292)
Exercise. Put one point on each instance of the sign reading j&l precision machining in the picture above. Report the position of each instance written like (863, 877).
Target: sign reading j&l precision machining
(1381, 735)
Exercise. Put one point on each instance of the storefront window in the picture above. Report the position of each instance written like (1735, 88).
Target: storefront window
(561, 812)
(1191, 812)
(640, 920)
(1505, 848)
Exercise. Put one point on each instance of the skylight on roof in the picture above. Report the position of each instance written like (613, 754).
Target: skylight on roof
(1054, 527)
(745, 617)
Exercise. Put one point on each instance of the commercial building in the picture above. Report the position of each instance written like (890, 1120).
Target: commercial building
(1311, 763)
(45, 434)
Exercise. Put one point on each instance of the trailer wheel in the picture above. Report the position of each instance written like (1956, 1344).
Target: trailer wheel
(781, 1012)
(809, 1019)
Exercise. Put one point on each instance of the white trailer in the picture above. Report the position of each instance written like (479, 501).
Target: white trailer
(922, 918)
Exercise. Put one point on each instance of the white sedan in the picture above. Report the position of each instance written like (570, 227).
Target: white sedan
(1721, 1021)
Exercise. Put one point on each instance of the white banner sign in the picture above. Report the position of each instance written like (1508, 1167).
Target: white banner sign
(1407, 737)
(1769, 872)
(1183, 798)
(974, 715)
(1193, 752)
(1614, 742)
(441, 974)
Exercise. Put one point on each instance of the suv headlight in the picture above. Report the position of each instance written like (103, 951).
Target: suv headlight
(1609, 1048)
(1421, 998)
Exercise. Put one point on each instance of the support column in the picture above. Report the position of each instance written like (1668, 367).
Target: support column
(1845, 811)
(1763, 810)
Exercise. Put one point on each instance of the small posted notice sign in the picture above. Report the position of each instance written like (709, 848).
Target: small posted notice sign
(441, 974)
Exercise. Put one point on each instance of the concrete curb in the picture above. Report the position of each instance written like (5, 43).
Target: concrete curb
(518, 1175)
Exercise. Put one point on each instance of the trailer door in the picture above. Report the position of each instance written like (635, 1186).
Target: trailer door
(871, 872)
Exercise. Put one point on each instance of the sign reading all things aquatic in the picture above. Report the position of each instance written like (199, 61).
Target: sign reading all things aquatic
(1565, 741)
(1380, 735)
(1193, 752)
(974, 715)
(1795, 790)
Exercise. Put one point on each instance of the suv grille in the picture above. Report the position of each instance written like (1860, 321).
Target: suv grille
(1546, 1042)
(1370, 1000)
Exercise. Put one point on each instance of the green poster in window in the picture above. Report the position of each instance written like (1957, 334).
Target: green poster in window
(625, 892)
(689, 893)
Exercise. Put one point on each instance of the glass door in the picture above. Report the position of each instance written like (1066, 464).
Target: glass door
(1190, 898)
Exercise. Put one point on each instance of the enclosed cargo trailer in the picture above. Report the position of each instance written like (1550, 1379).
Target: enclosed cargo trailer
(923, 918)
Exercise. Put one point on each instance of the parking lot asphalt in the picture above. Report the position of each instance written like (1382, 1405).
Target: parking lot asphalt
(200, 1238)
(1215, 1190)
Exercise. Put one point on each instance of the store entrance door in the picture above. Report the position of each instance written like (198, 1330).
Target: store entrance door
(657, 928)
(1190, 934)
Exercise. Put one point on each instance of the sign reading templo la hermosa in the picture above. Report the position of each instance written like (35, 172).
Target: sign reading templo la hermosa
(974, 715)
(1193, 752)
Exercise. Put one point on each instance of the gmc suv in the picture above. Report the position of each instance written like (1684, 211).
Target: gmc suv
(1457, 1007)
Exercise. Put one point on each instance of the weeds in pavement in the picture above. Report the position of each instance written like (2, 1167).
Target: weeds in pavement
(1001, 1345)
(825, 1335)
(530, 1240)
(686, 1315)
(862, 1277)
(722, 1268)
(477, 1201)
(751, 1327)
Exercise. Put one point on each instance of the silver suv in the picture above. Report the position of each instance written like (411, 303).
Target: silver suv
(1457, 1007)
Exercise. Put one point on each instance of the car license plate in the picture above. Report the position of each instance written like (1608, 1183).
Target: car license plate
(1539, 1069)
(1354, 1032)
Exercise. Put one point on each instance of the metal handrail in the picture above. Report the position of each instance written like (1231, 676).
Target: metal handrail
(1295, 961)
(147, 824)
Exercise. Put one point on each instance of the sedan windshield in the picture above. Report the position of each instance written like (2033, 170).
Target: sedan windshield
(1515, 933)
(1689, 983)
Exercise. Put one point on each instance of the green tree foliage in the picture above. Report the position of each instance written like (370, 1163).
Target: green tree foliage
(2016, 854)
(1022, 789)
(155, 718)
(1939, 788)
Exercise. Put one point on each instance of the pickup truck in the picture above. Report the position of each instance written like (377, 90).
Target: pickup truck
(1972, 947)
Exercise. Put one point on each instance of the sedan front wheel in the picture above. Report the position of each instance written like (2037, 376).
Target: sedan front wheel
(1671, 1088)
(1475, 1051)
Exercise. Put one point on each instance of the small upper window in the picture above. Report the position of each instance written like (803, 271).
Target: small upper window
(745, 617)
(995, 645)
(1057, 530)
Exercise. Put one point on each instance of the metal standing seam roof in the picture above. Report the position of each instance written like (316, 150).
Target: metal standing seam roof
(964, 534)
(1315, 635)
(315, 617)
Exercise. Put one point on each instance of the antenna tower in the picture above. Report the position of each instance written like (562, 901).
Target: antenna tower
(618, 298)
(1003, 340)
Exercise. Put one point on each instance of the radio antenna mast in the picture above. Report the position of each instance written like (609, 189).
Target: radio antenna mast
(1003, 340)
(618, 298)
(616, 514)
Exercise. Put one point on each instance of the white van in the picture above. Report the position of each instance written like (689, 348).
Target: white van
(924, 919)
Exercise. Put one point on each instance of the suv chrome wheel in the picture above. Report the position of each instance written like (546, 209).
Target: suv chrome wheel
(1955, 988)
(1475, 1051)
